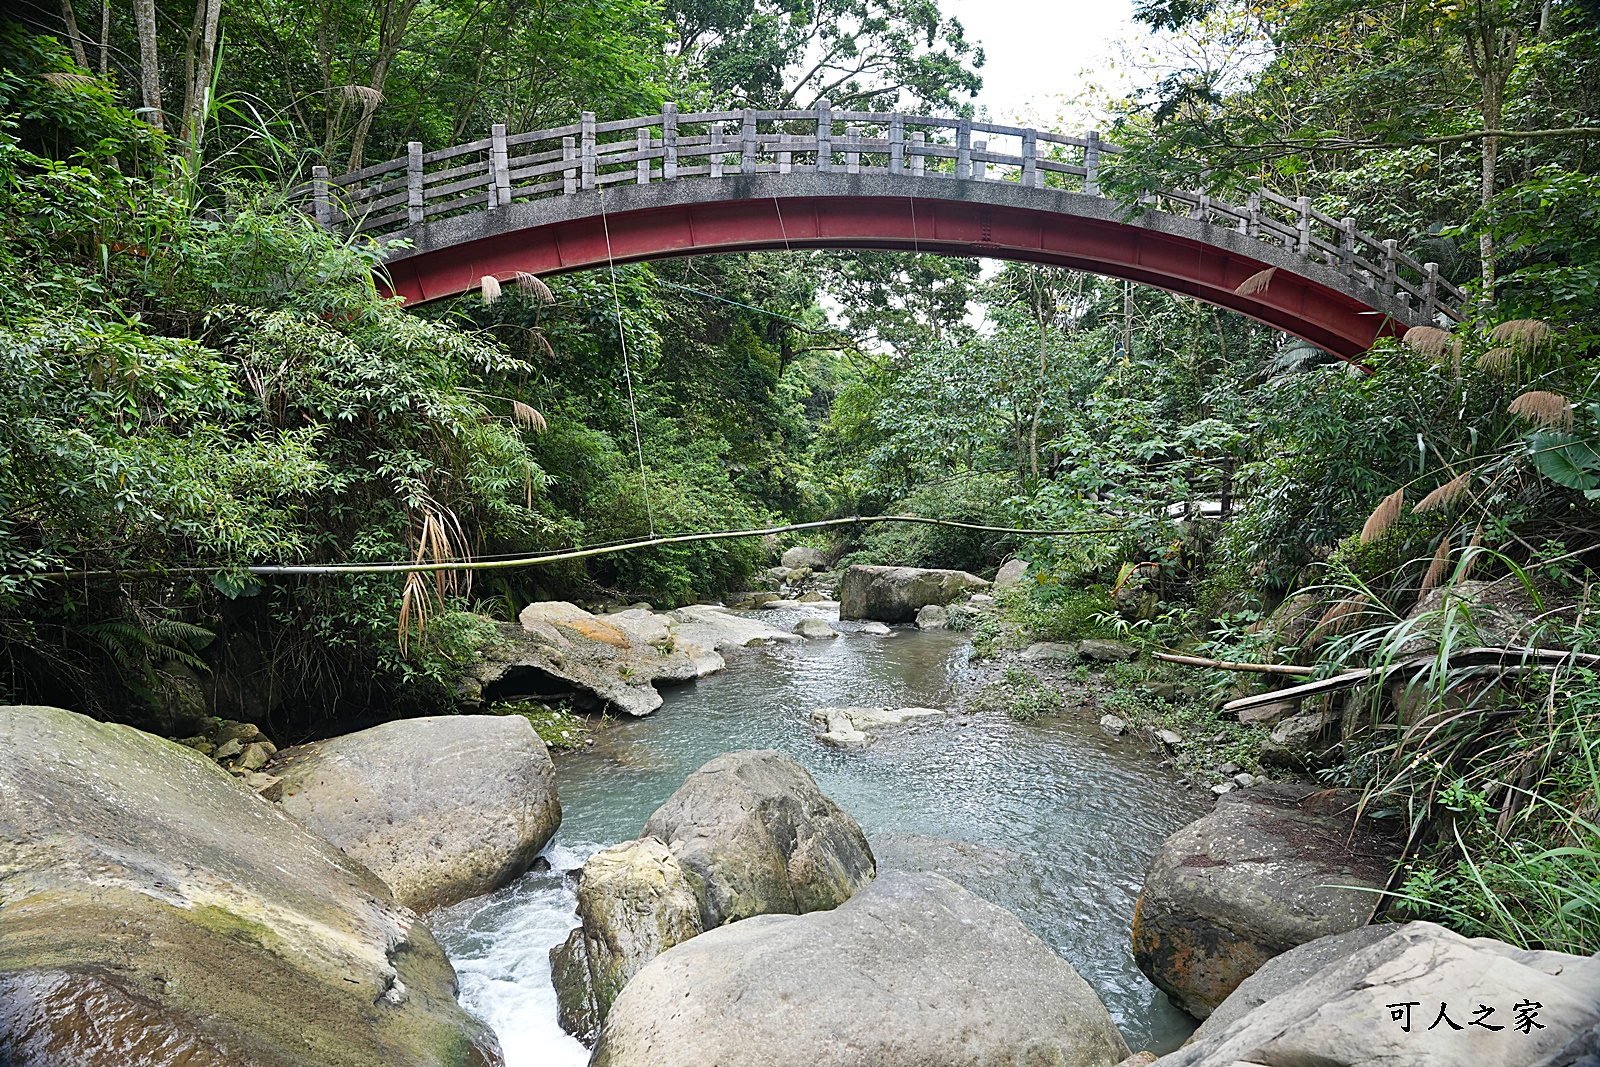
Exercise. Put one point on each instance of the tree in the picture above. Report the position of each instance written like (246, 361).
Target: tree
(867, 55)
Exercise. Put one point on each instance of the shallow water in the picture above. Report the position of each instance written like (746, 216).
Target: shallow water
(1056, 822)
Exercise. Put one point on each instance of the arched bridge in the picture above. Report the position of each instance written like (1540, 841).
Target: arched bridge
(671, 184)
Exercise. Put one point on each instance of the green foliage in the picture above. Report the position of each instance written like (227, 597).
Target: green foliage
(558, 727)
(1022, 695)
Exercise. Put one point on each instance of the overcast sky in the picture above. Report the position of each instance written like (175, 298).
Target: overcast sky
(1037, 50)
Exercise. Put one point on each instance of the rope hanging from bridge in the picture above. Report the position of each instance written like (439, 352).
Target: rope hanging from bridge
(627, 373)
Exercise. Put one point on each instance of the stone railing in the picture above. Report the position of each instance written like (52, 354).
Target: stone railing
(505, 168)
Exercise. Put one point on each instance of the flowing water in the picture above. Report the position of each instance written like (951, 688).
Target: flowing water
(1055, 821)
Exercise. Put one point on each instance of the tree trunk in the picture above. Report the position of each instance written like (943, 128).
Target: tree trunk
(73, 35)
(198, 102)
(105, 35)
(144, 13)
(1492, 115)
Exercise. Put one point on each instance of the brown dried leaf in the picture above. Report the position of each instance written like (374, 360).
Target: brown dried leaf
(1542, 407)
(1383, 516)
(1337, 617)
(1257, 282)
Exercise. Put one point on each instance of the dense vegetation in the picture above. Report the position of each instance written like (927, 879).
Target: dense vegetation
(194, 376)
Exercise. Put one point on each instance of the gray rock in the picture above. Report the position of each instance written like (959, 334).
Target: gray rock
(1244, 779)
(1223, 788)
(441, 808)
(713, 628)
(1010, 574)
(1262, 873)
(755, 836)
(912, 971)
(1168, 738)
(1287, 970)
(813, 598)
(153, 910)
(801, 556)
(933, 617)
(858, 727)
(1105, 651)
(1050, 652)
(1498, 612)
(1227, 770)
(896, 594)
(1340, 1015)
(254, 757)
(1113, 725)
(815, 628)
(634, 902)
(981, 602)
(877, 629)
(1269, 714)
(1298, 732)
(228, 749)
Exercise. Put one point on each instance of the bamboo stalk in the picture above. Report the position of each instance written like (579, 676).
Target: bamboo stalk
(1229, 665)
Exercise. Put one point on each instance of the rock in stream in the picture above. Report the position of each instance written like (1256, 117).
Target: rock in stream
(155, 911)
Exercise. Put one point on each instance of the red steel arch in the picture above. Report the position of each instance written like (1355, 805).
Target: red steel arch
(1305, 307)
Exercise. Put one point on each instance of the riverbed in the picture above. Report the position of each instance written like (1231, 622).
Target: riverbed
(1055, 821)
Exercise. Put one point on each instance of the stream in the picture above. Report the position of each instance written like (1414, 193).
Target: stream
(1055, 821)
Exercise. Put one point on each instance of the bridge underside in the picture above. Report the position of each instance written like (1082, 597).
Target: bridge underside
(450, 256)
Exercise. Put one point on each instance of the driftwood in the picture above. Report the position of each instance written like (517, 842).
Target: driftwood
(1507, 659)
(1229, 665)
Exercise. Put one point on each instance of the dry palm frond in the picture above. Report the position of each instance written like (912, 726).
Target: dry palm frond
(415, 606)
(491, 288)
(1445, 495)
(1433, 342)
(1257, 282)
(1543, 407)
(62, 79)
(529, 416)
(1524, 334)
(1337, 617)
(1437, 569)
(532, 285)
(1383, 516)
(1498, 360)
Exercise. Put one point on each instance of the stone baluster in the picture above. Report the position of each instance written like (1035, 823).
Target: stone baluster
(500, 165)
(1030, 160)
(897, 145)
(964, 149)
(1303, 225)
(852, 152)
(588, 148)
(919, 161)
(414, 202)
(1091, 164)
(569, 172)
(321, 202)
(824, 136)
(669, 142)
(747, 143)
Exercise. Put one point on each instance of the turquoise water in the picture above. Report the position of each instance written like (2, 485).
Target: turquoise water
(1056, 821)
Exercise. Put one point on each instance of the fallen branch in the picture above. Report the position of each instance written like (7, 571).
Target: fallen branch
(1229, 665)
(1508, 659)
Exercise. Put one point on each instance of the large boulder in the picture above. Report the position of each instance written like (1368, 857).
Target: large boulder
(155, 911)
(1271, 867)
(635, 902)
(801, 556)
(1010, 574)
(756, 836)
(1381, 1002)
(440, 808)
(710, 627)
(613, 662)
(896, 594)
(913, 971)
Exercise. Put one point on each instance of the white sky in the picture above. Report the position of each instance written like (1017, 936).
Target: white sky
(1039, 53)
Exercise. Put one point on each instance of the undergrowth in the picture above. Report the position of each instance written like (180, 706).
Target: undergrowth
(558, 727)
